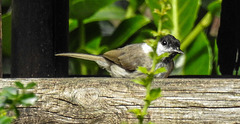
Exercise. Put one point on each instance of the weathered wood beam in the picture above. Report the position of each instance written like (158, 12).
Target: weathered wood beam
(106, 100)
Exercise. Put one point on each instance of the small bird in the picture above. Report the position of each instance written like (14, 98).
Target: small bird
(123, 62)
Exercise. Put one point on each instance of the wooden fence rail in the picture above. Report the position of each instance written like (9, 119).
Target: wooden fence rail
(106, 100)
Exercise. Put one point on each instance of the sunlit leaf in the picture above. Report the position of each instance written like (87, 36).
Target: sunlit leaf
(73, 24)
(28, 99)
(160, 70)
(9, 92)
(180, 18)
(151, 123)
(143, 70)
(183, 15)
(136, 111)
(141, 81)
(154, 94)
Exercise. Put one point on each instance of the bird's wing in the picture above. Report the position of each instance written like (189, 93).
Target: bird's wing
(129, 57)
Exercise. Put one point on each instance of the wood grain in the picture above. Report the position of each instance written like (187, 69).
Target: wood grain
(106, 101)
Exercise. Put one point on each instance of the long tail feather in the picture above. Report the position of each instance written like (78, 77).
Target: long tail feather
(82, 56)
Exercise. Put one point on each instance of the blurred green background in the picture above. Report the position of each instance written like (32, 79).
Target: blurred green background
(96, 27)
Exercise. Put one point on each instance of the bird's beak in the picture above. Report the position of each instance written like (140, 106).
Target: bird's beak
(179, 51)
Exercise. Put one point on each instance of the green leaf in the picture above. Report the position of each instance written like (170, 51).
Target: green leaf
(180, 18)
(163, 56)
(215, 7)
(5, 120)
(73, 24)
(142, 69)
(19, 85)
(111, 12)
(154, 4)
(141, 81)
(2, 101)
(151, 123)
(183, 15)
(136, 111)
(28, 99)
(6, 34)
(154, 94)
(126, 29)
(3, 111)
(10, 92)
(82, 9)
(142, 35)
(151, 54)
(94, 37)
(160, 70)
(133, 7)
(93, 47)
(30, 85)
(198, 57)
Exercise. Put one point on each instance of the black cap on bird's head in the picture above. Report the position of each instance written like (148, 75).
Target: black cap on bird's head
(170, 44)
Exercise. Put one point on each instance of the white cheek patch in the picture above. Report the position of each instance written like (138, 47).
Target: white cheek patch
(160, 49)
(146, 48)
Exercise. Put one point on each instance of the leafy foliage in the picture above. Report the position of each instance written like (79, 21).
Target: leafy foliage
(199, 55)
(82, 9)
(96, 27)
(161, 12)
(152, 94)
(11, 97)
(179, 21)
(126, 29)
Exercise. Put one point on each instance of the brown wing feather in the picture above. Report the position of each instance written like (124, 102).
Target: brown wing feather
(113, 56)
(128, 57)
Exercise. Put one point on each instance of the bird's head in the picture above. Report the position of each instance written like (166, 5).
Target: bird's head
(169, 44)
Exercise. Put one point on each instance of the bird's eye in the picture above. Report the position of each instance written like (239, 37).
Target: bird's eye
(164, 42)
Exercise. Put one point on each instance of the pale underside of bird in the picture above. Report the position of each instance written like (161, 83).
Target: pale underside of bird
(123, 62)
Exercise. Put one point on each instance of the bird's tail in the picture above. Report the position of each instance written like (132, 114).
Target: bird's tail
(82, 56)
